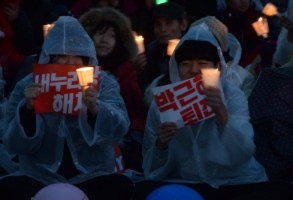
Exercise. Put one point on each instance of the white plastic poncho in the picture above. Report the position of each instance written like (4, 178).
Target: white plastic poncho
(242, 77)
(205, 152)
(92, 149)
(284, 49)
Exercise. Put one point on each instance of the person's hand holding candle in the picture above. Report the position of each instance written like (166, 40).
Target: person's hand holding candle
(261, 27)
(211, 81)
(31, 92)
(86, 79)
(140, 60)
(89, 98)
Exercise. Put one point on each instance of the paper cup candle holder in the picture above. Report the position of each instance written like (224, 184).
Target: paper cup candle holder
(261, 27)
(85, 76)
(210, 77)
(270, 10)
(171, 46)
(47, 28)
(140, 43)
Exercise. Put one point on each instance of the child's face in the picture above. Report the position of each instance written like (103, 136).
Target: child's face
(239, 5)
(191, 68)
(105, 40)
(68, 60)
(167, 29)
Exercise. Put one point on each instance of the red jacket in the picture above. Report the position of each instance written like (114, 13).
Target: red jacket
(131, 93)
(9, 57)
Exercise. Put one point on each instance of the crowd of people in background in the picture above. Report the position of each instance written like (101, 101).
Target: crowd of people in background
(215, 157)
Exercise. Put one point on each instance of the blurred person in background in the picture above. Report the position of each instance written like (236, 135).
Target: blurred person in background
(116, 48)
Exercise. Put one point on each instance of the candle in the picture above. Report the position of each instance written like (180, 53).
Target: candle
(140, 43)
(261, 27)
(85, 75)
(270, 10)
(171, 46)
(210, 77)
(47, 28)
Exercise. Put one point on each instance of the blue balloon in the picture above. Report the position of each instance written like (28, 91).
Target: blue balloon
(174, 192)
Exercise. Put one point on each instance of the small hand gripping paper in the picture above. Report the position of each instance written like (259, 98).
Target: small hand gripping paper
(174, 192)
(60, 191)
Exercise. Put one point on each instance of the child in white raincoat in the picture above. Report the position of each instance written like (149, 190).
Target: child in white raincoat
(54, 147)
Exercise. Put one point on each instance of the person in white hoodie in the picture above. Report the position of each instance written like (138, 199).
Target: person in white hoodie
(53, 147)
(215, 157)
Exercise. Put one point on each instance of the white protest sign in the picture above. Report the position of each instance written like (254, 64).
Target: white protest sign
(182, 102)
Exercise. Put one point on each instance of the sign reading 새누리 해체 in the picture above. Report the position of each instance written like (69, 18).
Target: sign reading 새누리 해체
(60, 89)
(182, 102)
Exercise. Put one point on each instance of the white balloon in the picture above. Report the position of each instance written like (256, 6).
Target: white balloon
(60, 191)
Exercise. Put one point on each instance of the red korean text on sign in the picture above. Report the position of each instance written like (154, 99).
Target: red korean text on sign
(185, 100)
(166, 101)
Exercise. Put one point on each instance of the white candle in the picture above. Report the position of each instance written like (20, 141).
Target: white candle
(47, 28)
(270, 10)
(85, 75)
(171, 46)
(261, 27)
(140, 43)
(210, 77)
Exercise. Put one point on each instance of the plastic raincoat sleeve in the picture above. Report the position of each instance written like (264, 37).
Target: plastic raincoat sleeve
(214, 148)
(15, 139)
(111, 123)
(155, 162)
(231, 144)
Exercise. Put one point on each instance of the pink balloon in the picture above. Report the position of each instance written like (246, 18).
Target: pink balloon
(60, 191)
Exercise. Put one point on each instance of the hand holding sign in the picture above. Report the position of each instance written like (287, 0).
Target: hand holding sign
(31, 92)
(165, 133)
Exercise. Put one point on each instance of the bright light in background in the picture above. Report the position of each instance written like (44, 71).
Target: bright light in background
(161, 1)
